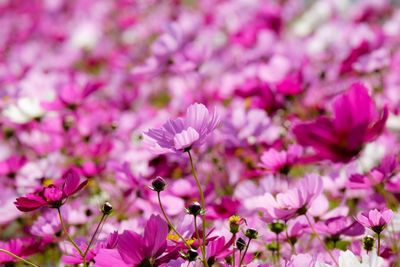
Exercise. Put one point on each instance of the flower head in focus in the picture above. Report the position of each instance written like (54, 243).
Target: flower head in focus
(53, 195)
(181, 134)
(136, 250)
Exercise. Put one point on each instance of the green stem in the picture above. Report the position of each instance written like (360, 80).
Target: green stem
(17, 257)
(320, 240)
(93, 238)
(245, 251)
(278, 254)
(197, 233)
(67, 235)
(170, 224)
(203, 245)
(234, 250)
(379, 244)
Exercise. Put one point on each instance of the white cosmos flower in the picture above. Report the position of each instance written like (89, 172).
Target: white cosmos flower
(24, 110)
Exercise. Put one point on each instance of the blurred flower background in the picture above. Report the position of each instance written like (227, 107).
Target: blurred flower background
(199, 133)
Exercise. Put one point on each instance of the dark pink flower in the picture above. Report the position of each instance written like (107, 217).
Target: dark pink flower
(339, 138)
(378, 175)
(181, 134)
(11, 165)
(150, 249)
(22, 247)
(338, 226)
(218, 250)
(53, 195)
(224, 208)
(75, 258)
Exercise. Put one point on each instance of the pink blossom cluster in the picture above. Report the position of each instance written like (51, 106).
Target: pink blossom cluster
(179, 133)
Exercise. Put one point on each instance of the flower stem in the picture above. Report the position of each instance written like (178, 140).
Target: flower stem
(17, 257)
(103, 218)
(278, 254)
(197, 233)
(293, 249)
(320, 240)
(234, 250)
(203, 245)
(245, 251)
(67, 235)
(379, 244)
(170, 224)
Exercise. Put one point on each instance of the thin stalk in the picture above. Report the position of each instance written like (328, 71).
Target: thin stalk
(197, 233)
(93, 238)
(293, 249)
(203, 245)
(278, 255)
(379, 244)
(17, 257)
(320, 240)
(245, 251)
(234, 250)
(169, 222)
(67, 235)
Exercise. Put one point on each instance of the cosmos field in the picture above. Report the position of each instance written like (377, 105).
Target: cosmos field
(212, 133)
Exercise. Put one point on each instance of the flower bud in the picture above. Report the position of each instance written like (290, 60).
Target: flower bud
(251, 233)
(106, 208)
(192, 255)
(194, 209)
(274, 246)
(277, 227)
(234, 222)
(158, 184)
(240, 244)
(368, 243)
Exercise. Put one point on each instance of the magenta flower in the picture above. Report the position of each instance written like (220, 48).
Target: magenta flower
(75, 258)
(181, 134)
(218, 250)
(11, 165)
(338, 226)
(378, 175)
(375, 219)
(137, 250)
(355, 122)
(53, 195)
(22, 247)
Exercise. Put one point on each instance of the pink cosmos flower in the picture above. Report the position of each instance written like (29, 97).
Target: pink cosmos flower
(218, 250)
(47, 226)
(355, 122)
(11, 165)
(22, 247)
(378, 175)
(375, 219)
(295, 201)
(181, 134)
(53, 195)
(223, 208)
(75, 258)
(137, 250)
(338, 226)
(276, 161)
